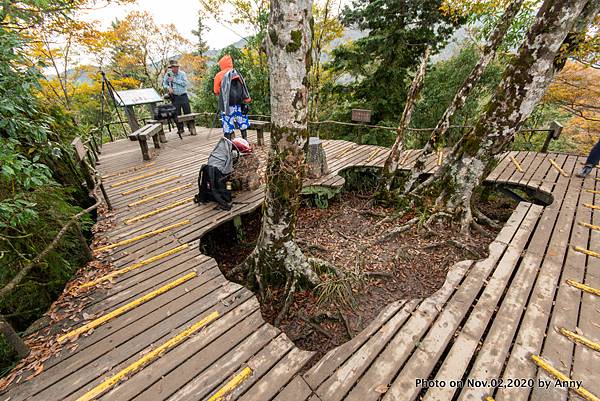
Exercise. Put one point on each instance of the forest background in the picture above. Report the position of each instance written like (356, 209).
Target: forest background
(363, 57)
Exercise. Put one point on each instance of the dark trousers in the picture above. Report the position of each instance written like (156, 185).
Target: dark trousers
(181, 102)
(594, 156)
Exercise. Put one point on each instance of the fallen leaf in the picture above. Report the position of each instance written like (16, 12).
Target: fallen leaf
(382, 389)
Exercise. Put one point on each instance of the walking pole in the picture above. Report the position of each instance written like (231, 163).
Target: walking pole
(213, 124)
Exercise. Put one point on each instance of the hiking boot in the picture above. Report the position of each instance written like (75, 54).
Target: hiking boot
(585, 171)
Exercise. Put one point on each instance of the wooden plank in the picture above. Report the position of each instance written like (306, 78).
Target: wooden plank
(191, 359)
(114, 350)
(337, 356)
(586, 361)
(503, 162)
(490, 357)
(383, 369)
(268, 386)
(534, 166)
(426, 355)
(535, 321)
(260, 364)
(558, 349)
(342, 380)
(296, 390)
(465, 346)
(118, 358)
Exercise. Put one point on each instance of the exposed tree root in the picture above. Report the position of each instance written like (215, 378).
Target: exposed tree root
(346, 324)
(397, 230)
(436, 216)
(485, 219)
(314, 326)
(379, 274)
(289, 298)
(464, 247)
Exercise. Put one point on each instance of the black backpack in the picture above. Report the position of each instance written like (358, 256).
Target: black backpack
(212, 187)
(165, 112)
(236, 92)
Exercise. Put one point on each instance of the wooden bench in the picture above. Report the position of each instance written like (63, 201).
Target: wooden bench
(155, 131)
(259, 126)
(189, 120)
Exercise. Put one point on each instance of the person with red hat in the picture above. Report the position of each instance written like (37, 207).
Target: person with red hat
(234, 97)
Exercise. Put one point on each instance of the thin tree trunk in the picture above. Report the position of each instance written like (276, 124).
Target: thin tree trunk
(391, 164)
(461, 96)
(277, 258)
(13, 339)
(524, 83)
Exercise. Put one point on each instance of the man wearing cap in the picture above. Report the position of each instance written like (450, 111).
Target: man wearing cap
(175, 82)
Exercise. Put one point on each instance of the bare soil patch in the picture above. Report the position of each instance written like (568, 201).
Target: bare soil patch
(413, 264)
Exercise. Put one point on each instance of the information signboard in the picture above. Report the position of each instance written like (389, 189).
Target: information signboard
(134, 97)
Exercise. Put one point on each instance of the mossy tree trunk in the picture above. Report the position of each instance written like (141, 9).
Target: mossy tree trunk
(277, 258)
(391, 163)
(526, 79)
(488, 54)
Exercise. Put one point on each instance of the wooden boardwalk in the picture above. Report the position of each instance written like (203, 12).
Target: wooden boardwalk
(171, 327)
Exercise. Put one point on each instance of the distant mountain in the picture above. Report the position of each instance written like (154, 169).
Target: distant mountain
(351, 34)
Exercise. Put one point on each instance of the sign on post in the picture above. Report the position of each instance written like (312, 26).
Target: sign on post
(133, 97)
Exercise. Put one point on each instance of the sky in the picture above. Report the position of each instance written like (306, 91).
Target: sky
(182, 13)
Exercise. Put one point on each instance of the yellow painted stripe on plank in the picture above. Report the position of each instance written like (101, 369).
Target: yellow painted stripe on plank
(134, 266)
(137, 178)
(146, 359)
(149, 198)
(591, 206)
(587, 225)
(129, 170)
(150, 185)
(125, 308)
(231, 384)
(587, 252)
(440, 157)
(557, 167)
(489, 398)
(372, 155)
(580, 339)
(561, 376)
(346, 150)
(517, 164)
(591, 191)
(157, 211)
(140, 237)
(583, 287)
(405, 158)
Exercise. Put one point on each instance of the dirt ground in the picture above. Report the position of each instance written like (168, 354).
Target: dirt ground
(381, 268)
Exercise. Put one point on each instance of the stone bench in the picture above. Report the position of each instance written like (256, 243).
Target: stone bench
(154, 131)
(189, 120)
(259, 126)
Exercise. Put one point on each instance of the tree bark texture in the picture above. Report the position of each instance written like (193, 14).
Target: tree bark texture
(277, 257)
(523, 85)
(13, 339)
(461, 96)
(391, 163)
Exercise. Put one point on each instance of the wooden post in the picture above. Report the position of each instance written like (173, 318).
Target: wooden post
(144, 146)
(553, 133)
(13, 339)
(192, 127)
(131, 118)
(161, 134)
(86, 248)
(316, 160)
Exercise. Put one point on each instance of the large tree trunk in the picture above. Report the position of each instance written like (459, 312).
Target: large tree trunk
(277, 258)
(523, 85)
(391, 163)
(461, 96)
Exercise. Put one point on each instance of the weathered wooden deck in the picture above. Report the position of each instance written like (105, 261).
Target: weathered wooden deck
(177, 329)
